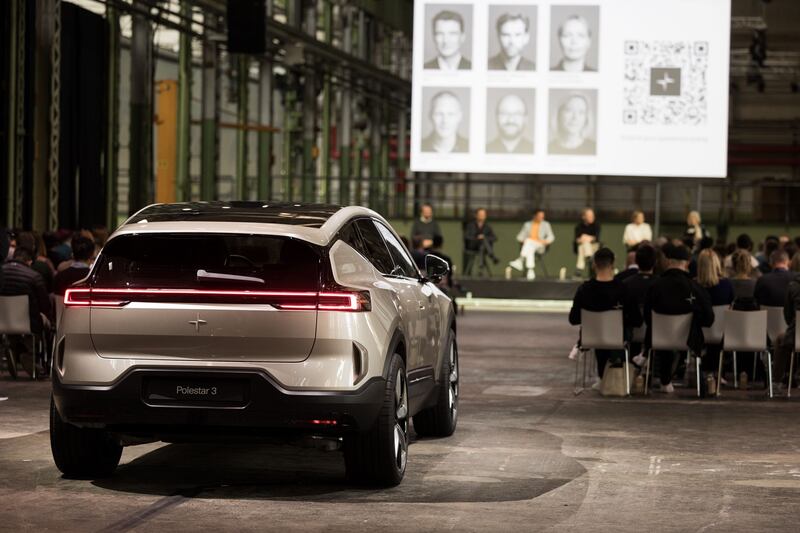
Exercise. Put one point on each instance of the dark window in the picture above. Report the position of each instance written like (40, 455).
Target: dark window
(208, 261)
(350, 235)
(399, 253)
(377, 253)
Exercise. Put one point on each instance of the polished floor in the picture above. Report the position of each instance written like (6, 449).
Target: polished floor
(527, 456)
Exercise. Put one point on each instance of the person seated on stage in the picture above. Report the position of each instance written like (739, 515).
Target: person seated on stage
(587, 240)
(637, 231)
(479, 239)
(425, 227)
(772, 287)
(83, 251)
(675, 293)
(535, 236)
(604, 293)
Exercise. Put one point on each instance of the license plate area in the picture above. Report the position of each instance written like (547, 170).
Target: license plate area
(202, 392)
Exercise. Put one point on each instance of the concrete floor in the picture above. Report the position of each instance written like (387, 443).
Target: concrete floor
(527, 456)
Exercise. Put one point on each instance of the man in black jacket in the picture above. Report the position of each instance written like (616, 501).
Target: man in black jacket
(604, 293)
(479, 239)
(784, 345)
(675, 293)
(771, 287)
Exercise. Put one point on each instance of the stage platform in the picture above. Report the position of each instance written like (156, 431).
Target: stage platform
(519, 289)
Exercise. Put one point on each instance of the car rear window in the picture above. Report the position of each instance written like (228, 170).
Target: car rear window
(208, 261)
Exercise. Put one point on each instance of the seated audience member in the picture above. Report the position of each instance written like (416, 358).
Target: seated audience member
(20, 279)
(638, 284)
(631, 267)
(425, 227)
(720, 292)
(743, 243)
(784, 345)
(604, 293)
(479, 239)
(771, 288)
(794, 266)
(587, 240)
(637, 231)
(41, 264)
(60, 250)
(771, 244)
(705, 243)
(535, 236)
(744, 285)
(791, 250)
(418, 252)
(82, 252)
(675, 293)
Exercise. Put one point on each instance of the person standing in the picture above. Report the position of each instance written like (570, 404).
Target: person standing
(637, 231)
(479, 239)
(535, 236)
(587, 239)
(425, 227)
(695, 230)
(675, 293)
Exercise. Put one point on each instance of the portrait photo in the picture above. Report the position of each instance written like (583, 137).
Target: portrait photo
(574, 38)
(573, 122)
(445, 120)
(448, 37)
(510, 120)
(512, 38)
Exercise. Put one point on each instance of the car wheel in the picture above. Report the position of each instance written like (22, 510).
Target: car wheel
(379, 456)
(82, 453)
(440, 420)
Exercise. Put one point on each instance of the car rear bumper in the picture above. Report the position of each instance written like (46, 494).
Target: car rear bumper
(127, 406)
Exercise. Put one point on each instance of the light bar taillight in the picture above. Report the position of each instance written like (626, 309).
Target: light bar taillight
(285, 300)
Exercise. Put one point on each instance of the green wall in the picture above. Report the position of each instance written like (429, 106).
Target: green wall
(560, 253)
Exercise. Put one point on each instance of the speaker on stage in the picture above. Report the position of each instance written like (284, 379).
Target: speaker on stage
(247, 26)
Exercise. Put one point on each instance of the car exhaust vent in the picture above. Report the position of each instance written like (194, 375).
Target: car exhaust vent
(60, 354)
(359, 363)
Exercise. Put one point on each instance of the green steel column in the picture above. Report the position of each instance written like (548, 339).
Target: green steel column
(243, 79)
(358, 171)
(141, 186)
(325, 153)
(209, 160)
(42, 105)
(401, 183)
(288, 136)
(16, 76)
(375, 155)
(310, 152)
(183, 191)
(346, 118)
(112, 134)
(265, 119)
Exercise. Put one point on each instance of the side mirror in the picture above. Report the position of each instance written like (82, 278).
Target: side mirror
(436, 268)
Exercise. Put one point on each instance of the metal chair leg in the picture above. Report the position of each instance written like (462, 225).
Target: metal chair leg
(578, 390)
(697, 371)
(735, 373)
(627, 373)
(791, 375)
(719, 372)
(33, 357)
(647, 372)
(769, 372)
(755, 366)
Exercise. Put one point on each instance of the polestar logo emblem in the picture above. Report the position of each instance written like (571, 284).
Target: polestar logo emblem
(197, 323)
(691, 299)
(665, 82)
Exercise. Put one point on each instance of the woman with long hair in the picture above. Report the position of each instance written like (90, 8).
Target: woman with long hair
(720, 291)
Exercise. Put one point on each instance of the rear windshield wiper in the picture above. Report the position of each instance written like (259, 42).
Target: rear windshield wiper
(203, 275)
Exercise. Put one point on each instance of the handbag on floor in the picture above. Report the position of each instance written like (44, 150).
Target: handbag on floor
(613, 383)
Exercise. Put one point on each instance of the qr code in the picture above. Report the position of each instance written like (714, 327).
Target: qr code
(665, 83)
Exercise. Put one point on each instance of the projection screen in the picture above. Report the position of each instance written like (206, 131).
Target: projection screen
(609, 87)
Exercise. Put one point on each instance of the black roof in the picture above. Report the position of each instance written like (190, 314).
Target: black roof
(309, 215)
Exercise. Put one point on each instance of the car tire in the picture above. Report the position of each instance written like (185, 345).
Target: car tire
(379, 456)
(82, 453)
(441, 419)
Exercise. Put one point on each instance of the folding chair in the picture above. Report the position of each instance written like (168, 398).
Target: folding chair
(776, 324)
(714, 334)
(602, 331)
(668, 333)
(794, 353)
(15, 320)
(746, 331)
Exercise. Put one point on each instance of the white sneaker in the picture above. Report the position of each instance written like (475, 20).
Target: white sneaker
(531, 275)
(573, 353)
(668, 388)
(597, 384)
(639, 360)
(3, 398)
(516, 264)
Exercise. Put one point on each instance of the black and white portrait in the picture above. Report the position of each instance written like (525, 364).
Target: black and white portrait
(510, 121)
(445, 126)
(573, 122)
(574, 38)
(512, 38)
(448, 41)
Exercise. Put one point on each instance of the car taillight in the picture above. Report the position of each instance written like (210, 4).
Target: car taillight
(285, 300)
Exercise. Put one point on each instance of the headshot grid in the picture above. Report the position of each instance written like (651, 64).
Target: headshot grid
(512, 38)
(448, 37)
(572, 122)
(510, 120)
(445, 120)
(574, 38)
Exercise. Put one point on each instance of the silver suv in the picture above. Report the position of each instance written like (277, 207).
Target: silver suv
(243, 319)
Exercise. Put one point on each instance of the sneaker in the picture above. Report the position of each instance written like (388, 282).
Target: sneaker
(3, 398)
(668, 388)
(531, 275)
(597, 384)
(516, 264)
(573, 353)
(639, 360)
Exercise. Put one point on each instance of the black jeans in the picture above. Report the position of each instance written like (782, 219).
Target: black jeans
(667, 362)
(604, 356)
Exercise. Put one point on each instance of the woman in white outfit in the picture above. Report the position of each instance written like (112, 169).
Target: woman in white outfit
(637, 231)
(535, 236)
